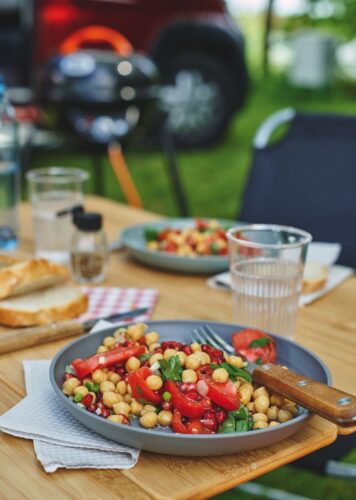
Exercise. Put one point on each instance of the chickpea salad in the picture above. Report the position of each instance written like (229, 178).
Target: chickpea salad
(205, 238)
(189, 388)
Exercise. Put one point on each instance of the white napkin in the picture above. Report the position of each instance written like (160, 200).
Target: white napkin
(323, 253)
(59, 439)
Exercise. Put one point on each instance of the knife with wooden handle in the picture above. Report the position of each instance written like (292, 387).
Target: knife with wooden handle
(334, 405)
(20, 338)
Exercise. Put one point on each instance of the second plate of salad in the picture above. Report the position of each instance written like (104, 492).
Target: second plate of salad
(195, 246)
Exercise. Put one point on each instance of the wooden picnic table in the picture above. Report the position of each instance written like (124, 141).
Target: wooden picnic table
(327, 327)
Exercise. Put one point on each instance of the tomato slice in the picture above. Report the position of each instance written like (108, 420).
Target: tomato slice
(85, 366)
(184, 404)
(224, 394)
(140, 389)
(264, 353)
(191, 427)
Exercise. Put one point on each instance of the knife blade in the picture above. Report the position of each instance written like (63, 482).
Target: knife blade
(21, 338)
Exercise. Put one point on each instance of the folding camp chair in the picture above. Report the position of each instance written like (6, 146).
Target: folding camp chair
(307, 179)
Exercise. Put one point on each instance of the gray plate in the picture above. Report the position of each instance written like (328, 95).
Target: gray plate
(133, 239)
(164, 440)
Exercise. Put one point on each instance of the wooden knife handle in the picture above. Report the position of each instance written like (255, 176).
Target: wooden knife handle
(20, 338)
(328, 402)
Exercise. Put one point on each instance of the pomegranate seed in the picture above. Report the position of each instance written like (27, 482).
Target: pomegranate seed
(87, 400)
(183, 387)
(166, 405)
(91, 408)
(204, 347)
(101, 405)
(105, 413)
(191, 388)
(121, 371)
(67, 376)
(142, 341)
(209, 415)
(187, 349)
(210, 424)
(125, 420)
(220, 416)
(158, 349)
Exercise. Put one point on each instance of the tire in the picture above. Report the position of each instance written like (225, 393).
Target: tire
(197, 95)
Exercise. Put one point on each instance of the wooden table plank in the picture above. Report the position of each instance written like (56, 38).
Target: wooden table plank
(327, 327)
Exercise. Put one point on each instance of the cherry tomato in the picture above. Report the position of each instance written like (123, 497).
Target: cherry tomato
(264, 353)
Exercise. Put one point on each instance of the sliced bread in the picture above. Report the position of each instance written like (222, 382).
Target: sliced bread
(315, 277)
(28, 276)
(57, 303)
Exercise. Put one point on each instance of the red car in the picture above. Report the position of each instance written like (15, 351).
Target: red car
(195, 43)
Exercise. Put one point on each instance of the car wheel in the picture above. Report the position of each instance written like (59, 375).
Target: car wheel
(197, 97)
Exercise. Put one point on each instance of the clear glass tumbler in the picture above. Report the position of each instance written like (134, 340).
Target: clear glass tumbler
(266, 267)
(53, 193)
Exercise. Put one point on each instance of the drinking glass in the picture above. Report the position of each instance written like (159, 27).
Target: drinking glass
(53, 193)
(266, 266)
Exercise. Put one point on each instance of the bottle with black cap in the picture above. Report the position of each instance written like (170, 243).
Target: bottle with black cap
(89, 249)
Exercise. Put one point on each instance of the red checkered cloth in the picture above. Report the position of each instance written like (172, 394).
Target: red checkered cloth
(107, 301)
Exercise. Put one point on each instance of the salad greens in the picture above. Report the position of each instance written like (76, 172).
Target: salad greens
(233, 371)
(171, 368)
(237, 421)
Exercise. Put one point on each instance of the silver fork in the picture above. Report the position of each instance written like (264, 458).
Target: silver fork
(206, 335)
(334, 405)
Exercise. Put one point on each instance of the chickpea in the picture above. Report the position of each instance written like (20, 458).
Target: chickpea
(129, 390)
(122, 408)
(193, 361)
(113, 377)
(153, 359)
(81, 389)
(109, 342)
(291, 407)
(260, 425)
(273, 423)
(135, 332)
(107, 386)
(182, 357)
(204, 358)
(169, 353)
(132, 364)
(272, 412)
(261, 404)
(127, 398)
(284, 416)
(151, 338)
(119, 334)
(189, 376)
(195, 347)
(247, 386)
(277, 400)
(259, 417)
(220, 375)
(110, 399)
(154, 346)
(261, 391)
(101, 349)
(235, 361)
(136, 407)
(148, 408)
(165, 418)
(245, 394)
(154, 382)
(99, 376)
(121, 387)
(251, 407)
(118, 419)
(69, 386)
(149, 420)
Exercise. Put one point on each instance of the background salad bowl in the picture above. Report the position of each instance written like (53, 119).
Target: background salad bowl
(166, 441)
(133, 239)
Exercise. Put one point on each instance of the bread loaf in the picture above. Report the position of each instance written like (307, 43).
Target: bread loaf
(315, 277)
(56, 303)
(28, 276)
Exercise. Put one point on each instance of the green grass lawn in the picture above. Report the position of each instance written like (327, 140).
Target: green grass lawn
(214, 181)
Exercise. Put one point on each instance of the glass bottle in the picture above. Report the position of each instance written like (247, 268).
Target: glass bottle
(89, 249)
(9, 173)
